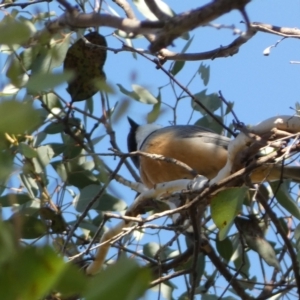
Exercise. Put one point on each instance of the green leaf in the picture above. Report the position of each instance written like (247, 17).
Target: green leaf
(132, 95)
(242, 263)
(51, 100)
(151, 249)
(7, 243)
(54, 128)
(58, 224)
(153, 115)
(18, 66)
(45, 81)
(124, 280)
(39, 138)
(30, 184)
(10, 199)
(200, 267)
(177, 67)
(110, 203)
(47, 271)
(51, 57)
(27, 151)
(179, 64)
(10, 111)
(72, 150)
(75, 174)
(57, 148)
(264, 249)
(13, 31)
(229, 107)
(45, 154)
(204, 72)
(6, 164)
(71, 281)
(224, 208)
(209, 122)
(31, 228)
(144, 95)
(225, 248)
(60, 168)
(284, 198)
(105, 203)
(211, 101)
(88, 226)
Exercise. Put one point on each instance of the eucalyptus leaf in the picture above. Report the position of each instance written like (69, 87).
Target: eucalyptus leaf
(12, 199)
(179, 64)
(130, 279)
(153, 115)
(212, 102)
(224, 208)
(27, 151)
(204, 72)
(47, 271)
(10, 111)
(209, 122)
(45, 81)
(144, 95)
(151, 249)
(51, 57)
(264, 249)
(32, 227)
(13, 31)
(225, 248)
(105, 203)
(284, 198)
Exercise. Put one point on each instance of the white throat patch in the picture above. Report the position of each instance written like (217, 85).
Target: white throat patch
(143, 131)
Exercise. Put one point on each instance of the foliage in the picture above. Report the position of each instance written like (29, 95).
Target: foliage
(56, 174)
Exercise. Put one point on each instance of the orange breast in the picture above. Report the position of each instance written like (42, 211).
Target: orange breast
(206, 158)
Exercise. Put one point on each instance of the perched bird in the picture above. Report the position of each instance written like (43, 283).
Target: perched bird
(198, 147)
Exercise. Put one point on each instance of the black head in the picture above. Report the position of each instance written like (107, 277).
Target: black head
(131, 140)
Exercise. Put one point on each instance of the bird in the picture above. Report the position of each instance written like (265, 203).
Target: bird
(198, 147)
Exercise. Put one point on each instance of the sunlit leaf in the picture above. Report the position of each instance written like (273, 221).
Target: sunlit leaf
(130, 94)
(13, 31)
(224, 208)
(10, 111)
(144, 95)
